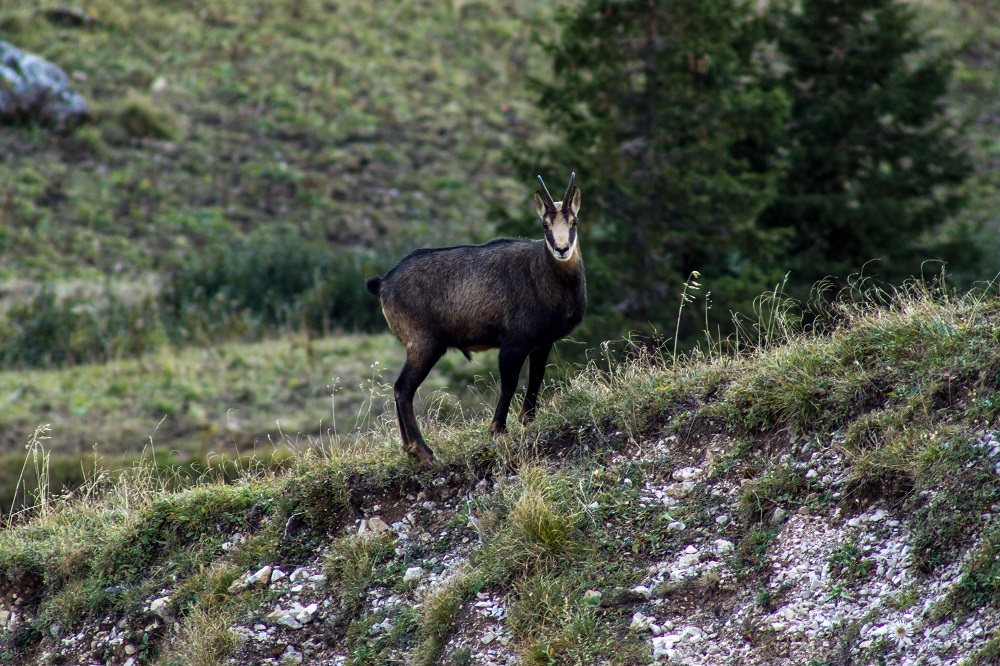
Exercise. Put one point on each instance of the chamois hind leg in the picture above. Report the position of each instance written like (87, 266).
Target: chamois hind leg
(419, 361)
(536, 370)
(510, 362)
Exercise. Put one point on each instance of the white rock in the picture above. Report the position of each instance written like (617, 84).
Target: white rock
(686, 474)
(285, 618)
(877, 516)
(159, 607)
(643, 590)
(413, 575)
(291, 656)
(680, 490)
(722, 520)
(277, 574)
(641, 622)
(592, 597)
(377, 525)
(688, 561)
(299, 574)
(722, 546)
(676, 526)
(305, 614)
(487, 638)
(261, 578)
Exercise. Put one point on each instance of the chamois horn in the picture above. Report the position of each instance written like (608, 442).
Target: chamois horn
(551, 202)
(569, 190)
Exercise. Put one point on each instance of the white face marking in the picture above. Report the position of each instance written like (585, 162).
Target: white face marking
(560, 257)
(559, 233)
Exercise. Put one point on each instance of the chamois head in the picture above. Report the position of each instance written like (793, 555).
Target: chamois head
(559, 219)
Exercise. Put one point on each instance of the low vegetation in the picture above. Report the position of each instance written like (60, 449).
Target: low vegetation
(902, 391)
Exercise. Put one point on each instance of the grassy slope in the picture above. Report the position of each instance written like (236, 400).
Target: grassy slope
(361, 122)
(363, 125)
(898, 395)
(232, 400)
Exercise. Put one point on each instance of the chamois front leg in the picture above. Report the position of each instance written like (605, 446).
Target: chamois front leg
(510, 363)
(536, 371)
(418, 364)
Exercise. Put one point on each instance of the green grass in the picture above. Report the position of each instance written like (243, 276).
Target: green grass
(205, 405)
(360, 122)
(558, 517)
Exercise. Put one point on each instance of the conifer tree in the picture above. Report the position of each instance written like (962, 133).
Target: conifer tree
(873, 165)
(654, 104)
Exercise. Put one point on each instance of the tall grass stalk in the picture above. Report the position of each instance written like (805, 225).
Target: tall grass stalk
(691, 285)
(39, 458)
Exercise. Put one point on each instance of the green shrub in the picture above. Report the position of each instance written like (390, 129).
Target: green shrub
(276, 278)
(47, 330)
(141, 117)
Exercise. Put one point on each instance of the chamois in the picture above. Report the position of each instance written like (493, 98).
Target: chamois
(515, 294)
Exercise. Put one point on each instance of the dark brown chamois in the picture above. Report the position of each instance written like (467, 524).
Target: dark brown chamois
(514, 294)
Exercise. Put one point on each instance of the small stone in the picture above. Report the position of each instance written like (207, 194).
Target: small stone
(160, 607)
(260, 578)
(779, 516)
(377, 525)
(642, 590)
(722, 546)
(641, 622)
(130, 649)
(722, 520)
(291, 656)
(679, 490)
(305, 615)
(277, 574)
(812, 474)
(285, 618)
(592, 597)
(686, 474)
(877, 516)
(129, 662)
(413, 576)
(487, 638)
(676, 526)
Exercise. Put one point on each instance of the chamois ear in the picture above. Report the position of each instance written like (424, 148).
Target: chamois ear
(540, 206)
(574, 200)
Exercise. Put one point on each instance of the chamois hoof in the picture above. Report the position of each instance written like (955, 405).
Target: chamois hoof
(423, 454)
(497, 429)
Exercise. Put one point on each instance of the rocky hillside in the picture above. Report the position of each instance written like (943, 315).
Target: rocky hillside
(828, 497)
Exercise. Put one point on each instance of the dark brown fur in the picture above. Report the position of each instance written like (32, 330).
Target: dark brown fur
(509, 293)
